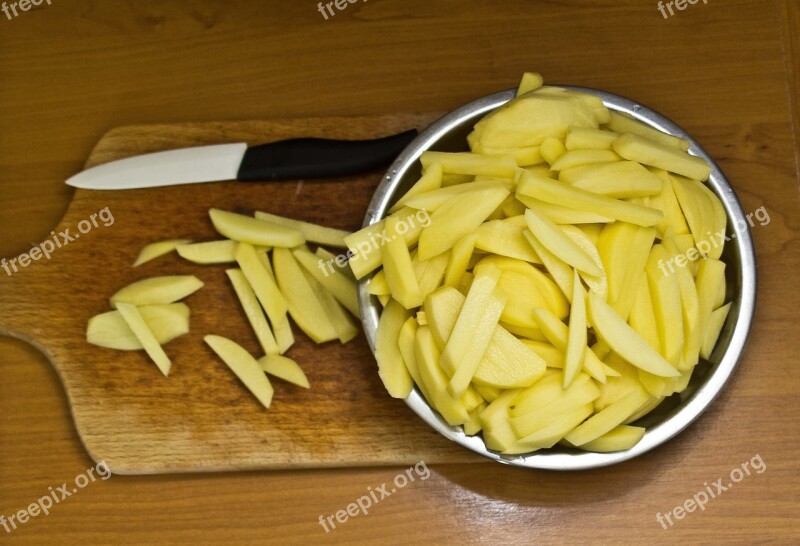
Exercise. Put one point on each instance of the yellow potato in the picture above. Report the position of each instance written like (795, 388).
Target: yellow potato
(623, 340)
(280, 320)
(559, 214)
(621, 123)
(550, 434)
(504, 237)
(459, 258)
(530, 82)
(589, 139)
(552, 149)
(246, 368)
(668, 203)
(365, 244)
(618, 439)
(301, 300)
(557, 193)
(157, 290)
(666, 297)
(284, 368)
(430, 273)
(582, 391)
(558, 269)
(662, 156)
(344, 326)
(432, 200)
(254, 231)
(263, 284)
(130, 314)
(391, 366)
(337, 283)
(312, 233)
(713, 329)
(252, 310)
(596, 283)
(607, 419)
(528, 287)
(431, 180)
(556, 241)
(621, 179)
(577, 338)
(471, 164)
(110, 330)
(576, 158)
(210, 252)
(497, 433)
(398, 268)
(458, 217)
(154, 250)
(427, 358)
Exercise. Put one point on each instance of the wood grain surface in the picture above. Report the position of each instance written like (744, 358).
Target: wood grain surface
(72, 70)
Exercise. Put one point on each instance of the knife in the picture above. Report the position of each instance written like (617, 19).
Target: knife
(298, 158)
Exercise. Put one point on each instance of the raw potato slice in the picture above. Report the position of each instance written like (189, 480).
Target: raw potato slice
(576, 158)
(560, 271)
(138, 326)
(262, 283)
(312, 233)
(431, 180)
(252, 310)
(649, 152)
(598, 284)
(154, 250)
(530, 82)
(302, 302)
(398, 268)
(582, 391)
(472, 164)
(557, 242)
(666, 297)
(280, 324)
(458, 217)
(590, 139)
(459, 259)
(607, 419)
(427, 356)
(365, 244)
(246, 368)
(469, 318)
(378, 286)
(156, 290)
(527, 288)
(210, 252)
(430, 273)
(497, 432)
(576, 341)
(338, 284)
(551, 149)
(432, 200)
(618, 439)
(713, 329)
(405, 342)
(552, 191)
(284, 368)
(559, 214)
(621, 123)
(619, 179)
(524, 157)
(667, 202)
(110, 330)
(549, 435)
(340, 261)
(623, 340)
(477, 344)
(505, 238)
(251, 230)
(391, 366)
(345, 328)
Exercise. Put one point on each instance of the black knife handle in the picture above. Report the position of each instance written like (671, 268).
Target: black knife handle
(302, 158)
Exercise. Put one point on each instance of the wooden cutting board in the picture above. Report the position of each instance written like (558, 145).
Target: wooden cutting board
(201, 418)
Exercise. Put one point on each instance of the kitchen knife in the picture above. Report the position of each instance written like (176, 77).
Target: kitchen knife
(298, 158)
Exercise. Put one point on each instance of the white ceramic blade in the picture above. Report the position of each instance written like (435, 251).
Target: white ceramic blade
(169, 168)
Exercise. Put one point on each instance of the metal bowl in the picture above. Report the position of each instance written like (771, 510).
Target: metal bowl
(675, 413)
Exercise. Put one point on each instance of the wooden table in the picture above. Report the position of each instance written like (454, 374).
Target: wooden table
(727, 72)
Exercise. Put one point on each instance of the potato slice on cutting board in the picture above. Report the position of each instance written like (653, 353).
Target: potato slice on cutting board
(166, 321)
(157, 290)
(246, 368)
(154, 250)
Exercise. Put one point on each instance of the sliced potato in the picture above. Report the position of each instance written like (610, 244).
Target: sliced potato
(399, 270)
(157, 290)
(576, 341)
(210, 252)
(576, 158)
(284, 368)
(713, 330)
(617, 439)
(254, 231)
(337, 283)
(130, 314)
(471, 164)
(607, 419)
(165, 321)
(252, 310)
(621, 179)
(246, 368)
(662, 156)
(154, 250)
(557, 242)
(622, 123)
(312, 233)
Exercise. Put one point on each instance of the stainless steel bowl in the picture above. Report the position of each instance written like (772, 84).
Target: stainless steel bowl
(675, 413)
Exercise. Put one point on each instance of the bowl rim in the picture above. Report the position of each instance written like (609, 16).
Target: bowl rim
(680, 417)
